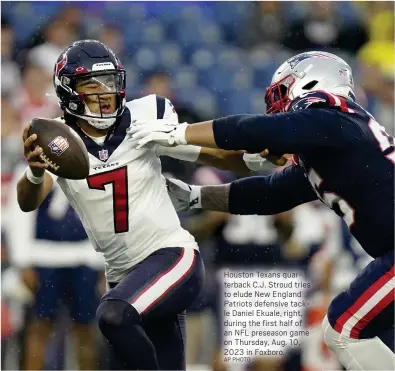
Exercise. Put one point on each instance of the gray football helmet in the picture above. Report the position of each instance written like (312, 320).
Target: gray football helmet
(308, 72)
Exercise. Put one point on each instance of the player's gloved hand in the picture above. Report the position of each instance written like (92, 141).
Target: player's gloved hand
(257, 161)
(163, 132)
(254, 161)
(32, 156)
(183, 196)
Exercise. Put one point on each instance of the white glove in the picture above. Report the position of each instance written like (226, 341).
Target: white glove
(255, 162)
(183, 196)
(164, 132)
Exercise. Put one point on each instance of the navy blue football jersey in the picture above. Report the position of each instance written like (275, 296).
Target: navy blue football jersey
(344, 158)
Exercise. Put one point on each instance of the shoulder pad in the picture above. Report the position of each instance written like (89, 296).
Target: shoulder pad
(314, 99)
(320, 99)
(150, 107)
(143, 108)
(147, 101)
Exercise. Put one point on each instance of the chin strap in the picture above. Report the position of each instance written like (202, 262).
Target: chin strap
(104, 123)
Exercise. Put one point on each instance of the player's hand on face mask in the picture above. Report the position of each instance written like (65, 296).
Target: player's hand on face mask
(33, 155)
(163, 132)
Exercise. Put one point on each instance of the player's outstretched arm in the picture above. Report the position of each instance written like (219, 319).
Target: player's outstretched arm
(237, 161)
(291, 132)
(263, 195)
(35, 183)
(224, 160)
(215, 157)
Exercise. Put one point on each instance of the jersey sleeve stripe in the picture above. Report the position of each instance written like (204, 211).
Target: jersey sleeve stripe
(160, 107)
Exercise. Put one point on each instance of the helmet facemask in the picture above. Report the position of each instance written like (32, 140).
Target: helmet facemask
(277, 95)
(98, 98)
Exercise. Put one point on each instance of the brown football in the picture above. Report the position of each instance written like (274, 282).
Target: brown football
(63, 150)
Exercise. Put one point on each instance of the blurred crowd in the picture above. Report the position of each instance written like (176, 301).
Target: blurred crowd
(210, 59)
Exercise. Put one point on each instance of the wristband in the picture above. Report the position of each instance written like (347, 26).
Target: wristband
(195, 198)
(33, 179)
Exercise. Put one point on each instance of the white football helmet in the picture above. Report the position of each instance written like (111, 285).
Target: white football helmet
(308, 72)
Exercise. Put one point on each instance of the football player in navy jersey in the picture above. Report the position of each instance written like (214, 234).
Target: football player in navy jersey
(343, 157)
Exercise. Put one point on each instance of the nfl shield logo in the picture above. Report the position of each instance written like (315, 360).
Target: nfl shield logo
(59, 145)
(103, 154)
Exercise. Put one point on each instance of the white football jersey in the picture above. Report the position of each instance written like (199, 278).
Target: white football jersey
(123, 204)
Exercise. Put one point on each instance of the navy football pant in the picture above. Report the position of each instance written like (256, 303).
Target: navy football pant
(366, 308)
(143, 316)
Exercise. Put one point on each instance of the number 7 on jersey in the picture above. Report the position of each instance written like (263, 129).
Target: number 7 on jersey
(119, 181)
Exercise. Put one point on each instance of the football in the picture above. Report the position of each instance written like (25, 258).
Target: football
(63, 150)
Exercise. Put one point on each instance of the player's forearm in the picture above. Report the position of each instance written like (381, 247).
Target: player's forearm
(224, 160)
(30, 196)
(226, 133)
(215, 198)
(201, 134)
(215, 157)
(262, 195)
(235, 198)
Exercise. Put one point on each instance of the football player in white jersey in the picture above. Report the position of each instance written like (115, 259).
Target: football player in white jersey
(153, 266)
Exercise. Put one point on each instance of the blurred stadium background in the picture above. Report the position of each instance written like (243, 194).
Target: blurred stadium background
(211, 59)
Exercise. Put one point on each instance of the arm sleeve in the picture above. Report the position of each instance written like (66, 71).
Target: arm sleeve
(269, 195)
(184, 153)
(290, 132)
